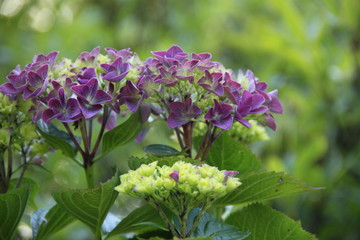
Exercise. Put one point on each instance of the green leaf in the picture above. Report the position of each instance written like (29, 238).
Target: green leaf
(261, 186)
(212, 227)
(265, 223)
(138, 220)
(12, 206)
(57, 139)
(196, 238)
(90, 206)
(135, 162)
(122, 134)
(227, 154)
(47, 221)
(161, 150)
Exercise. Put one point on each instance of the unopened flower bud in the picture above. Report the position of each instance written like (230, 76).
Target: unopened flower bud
(175, 175)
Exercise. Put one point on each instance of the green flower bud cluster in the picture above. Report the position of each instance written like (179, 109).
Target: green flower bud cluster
(6, 105)
(193, 184)
(240, 133)
(17, 128)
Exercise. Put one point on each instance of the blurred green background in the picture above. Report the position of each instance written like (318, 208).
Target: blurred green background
(309, 50)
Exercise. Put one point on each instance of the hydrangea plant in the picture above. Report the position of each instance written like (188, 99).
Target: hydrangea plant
(61, 100)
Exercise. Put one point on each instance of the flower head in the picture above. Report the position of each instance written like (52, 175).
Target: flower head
(199, 183)
(116, 71)
(37, 82)
(66, 110)
(249, 104)
(212, 82)
(90, 98)
(220, 115)
(182, 113)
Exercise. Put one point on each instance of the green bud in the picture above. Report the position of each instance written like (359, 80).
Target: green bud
(134, 74)
(28, 131)
(4, 136)
(147, 170)
(181, 182)
(6, 105)
(39, 148)
(103, 59)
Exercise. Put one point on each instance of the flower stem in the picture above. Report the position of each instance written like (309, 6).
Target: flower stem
(84, 136)
(24, 156)
(197, 220)
(188, 127)
(90, 131)
(204, 141)
(208, 145)
(10, 159)
(102, 130)
(89, 172)
(178, 134)
(164, 217)
(3, 186)
(73, 138)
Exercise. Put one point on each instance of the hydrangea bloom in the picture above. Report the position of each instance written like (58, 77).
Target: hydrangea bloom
(183, 89)
(197, 183)
(69, 91)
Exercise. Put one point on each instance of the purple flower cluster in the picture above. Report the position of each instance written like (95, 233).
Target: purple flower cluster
(178, 87)
(190, 88)
(71, 91)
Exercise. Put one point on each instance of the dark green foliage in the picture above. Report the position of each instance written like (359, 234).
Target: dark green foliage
(90, 206)
(12, 206)
(265, 223)
(56, 138)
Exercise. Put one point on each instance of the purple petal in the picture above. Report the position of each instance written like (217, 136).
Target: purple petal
(175, 175)
(112, 120)
(218, 89)
(93, 86)
(269, 121)
(14, 74)
(43, 71)
(114, 77)
(141, 135)
(106, 67)
(177, 108)
(35, 79)
(86, 75)
(224, 123)
(257, 100)
(28, 93)
(274, 104)
(101, 97)
(8, 88)
(82, 92)
(210, 114)
(261, 86)
(176, 121)
(72, 107)
(88, 110)
(62, 96)
(49, 115)
(231, 173)
(145, 112)
(173, 50)
(195, 110)
(55, 103)
(132, 103)
(201, 56)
